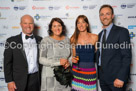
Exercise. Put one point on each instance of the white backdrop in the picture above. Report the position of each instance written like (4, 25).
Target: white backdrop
(68, 10)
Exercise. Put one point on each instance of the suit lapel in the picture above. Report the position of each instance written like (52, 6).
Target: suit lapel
(22, 49)
(100, 34)
(98, 45)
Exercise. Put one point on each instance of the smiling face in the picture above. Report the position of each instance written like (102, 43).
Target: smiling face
(56, 28)
(27, 24)
(106, 16)
(82, 25)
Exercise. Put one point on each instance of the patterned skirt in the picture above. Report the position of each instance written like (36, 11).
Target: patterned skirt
(84, 77)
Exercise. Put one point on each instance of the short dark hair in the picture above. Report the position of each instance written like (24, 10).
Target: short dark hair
(107, 6)
(62, 24)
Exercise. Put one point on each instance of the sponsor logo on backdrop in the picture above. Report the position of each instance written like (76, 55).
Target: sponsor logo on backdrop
(67, 16)
(118, 23)
(114, 6)
(1, 69)
(46, 26)
(92, 6)
(17, 0)
(50, 7)
(132, 35)
(1, 65)
(86, 7)
(37, 17)
(38, 8)
(130, 89)
(133, 74)
(4, 8)
(131, 17)
(94, 27)
(131, 5)
(2, 78)
(131, 26)
(131, 81)
(41, 17)
(54, 7)
(71, 7)
(86, 0)
(15, 27)
(19, 8)
(41, 0)
(123, 6)
(2, 35)
(2, 44)
(118, 15)
(4, 27)
(2, 17)
(72, 27)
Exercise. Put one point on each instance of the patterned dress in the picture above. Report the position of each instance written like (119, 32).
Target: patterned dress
(84, 77)
(51, 51)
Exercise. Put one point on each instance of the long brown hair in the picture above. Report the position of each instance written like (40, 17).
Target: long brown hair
(74, 37)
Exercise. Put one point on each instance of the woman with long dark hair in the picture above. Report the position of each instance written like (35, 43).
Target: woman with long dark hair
(83, 42)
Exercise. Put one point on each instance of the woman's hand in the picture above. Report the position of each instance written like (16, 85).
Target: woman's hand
(66, 65)
(63, 61)
(75, 60)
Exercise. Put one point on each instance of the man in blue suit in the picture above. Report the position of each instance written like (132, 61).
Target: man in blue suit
(114, 53)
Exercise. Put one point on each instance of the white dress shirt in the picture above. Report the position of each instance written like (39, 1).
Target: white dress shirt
(30, 47)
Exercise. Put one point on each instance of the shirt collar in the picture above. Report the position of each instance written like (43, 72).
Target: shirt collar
(109, 27)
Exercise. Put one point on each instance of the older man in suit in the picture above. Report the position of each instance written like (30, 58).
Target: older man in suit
(21, 66)
(113, 56)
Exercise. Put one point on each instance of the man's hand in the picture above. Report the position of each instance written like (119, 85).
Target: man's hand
(11, 86)
(118, 83)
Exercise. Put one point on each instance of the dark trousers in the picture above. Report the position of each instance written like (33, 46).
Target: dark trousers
(110, 87)
(33, 83)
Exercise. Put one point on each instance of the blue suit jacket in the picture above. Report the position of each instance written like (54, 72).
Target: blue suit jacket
(115, 61)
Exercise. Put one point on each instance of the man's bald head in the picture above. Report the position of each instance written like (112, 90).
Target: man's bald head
(26, 16)
(27, 24)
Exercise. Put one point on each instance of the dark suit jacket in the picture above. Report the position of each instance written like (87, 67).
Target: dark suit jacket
(15, 62)
(115, 61)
